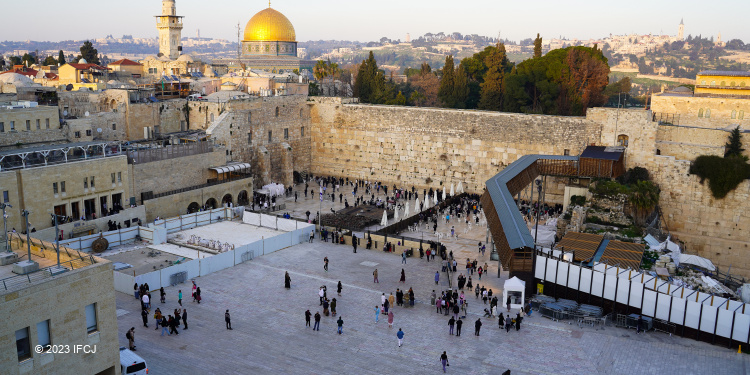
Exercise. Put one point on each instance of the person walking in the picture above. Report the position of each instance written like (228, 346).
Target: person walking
(403, 276)
(518, 321)
(146, 302)
(391, 300)
(507, 303)
(163, 294)
(307, 318)
(338, 288)
(321, 294)
(228, 319)
(158, 317)
(477, 326)
(354, 242)
(340, 324)
(508, 323)
(444, 360)
(184, 319)
(173, 324)
(459, 323)
(130, 335)
(165, 326)
(375, 276)
(198, 295)
(451, 324)
(144, 317)
(316, 327)
(390, 319)
(325, 264)
(439, 305)
(136, 292)
(333, 307)
(456, 310)
(400, 335)
(437, 277)
(501, 321)
(287, 280)
(377, 314)
(403, 257)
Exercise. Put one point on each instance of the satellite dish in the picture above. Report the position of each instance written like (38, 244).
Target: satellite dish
(65, 112)
(86, 114)
(98, 130)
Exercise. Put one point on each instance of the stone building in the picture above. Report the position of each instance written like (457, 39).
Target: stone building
(27, 123)
(74, 311)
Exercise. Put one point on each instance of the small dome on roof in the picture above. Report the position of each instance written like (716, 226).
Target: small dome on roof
(186, 58)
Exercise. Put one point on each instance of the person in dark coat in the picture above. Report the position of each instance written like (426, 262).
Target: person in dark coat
(518, 322)
(403, 276)
(163, 294)
(338, 288)
(477, 327)
(459, 323)
(287, 280)
(184, 318)
(144, 316)
(308, 314)
(316, 327)
(228, 319)
(501, 321)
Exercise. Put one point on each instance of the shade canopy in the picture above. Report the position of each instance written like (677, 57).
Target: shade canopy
(384, 222)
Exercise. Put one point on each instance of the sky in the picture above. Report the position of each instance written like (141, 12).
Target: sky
(54, 20)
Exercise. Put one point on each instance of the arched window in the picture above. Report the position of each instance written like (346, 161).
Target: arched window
(703, 82)
(731, 84)
(700, 113)
(277, 111)
(708, 112)
(742, 115)
(658, 152)
(734, 114)
(723, 83)
(713, 83)
(742, 84)
(622, 140)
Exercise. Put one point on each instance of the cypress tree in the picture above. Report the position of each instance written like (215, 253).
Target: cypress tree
(538, 46)
(734, 146)
(447, 81)
(61, 58)
(491, 93)
(461, 87)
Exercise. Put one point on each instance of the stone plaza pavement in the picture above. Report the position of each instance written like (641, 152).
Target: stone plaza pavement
(270, 337)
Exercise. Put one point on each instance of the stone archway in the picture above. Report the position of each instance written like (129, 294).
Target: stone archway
(242, 198)
(211, 204)
(193, 207)
(226, 200)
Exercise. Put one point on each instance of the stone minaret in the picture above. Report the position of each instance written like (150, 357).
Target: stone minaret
(170, 30)
(681, 31)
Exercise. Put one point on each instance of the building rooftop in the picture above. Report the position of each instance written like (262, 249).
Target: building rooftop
(727, 73)
(125, 62)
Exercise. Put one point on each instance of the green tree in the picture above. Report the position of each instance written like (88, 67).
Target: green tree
(89, 53)
(734, 146)
(2, 63)
(491, 95)
(461, 88)
(400, 99)
(61, 58)
(49, 61)
(538, 46)
(366, 84)
(28, 59)
(447, 81)
(15, 60)
(425, 69)
(643, 198)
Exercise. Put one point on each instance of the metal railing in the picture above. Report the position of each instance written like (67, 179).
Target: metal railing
(212, 183)
(140, 156)
(19, 281)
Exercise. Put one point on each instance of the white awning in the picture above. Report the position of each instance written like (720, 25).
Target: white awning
(231, 168)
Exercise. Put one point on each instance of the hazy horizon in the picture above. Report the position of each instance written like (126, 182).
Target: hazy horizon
(335, 20)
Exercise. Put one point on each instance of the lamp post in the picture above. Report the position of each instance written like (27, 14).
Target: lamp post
(57, 238)
(5, 224)
(536, 229)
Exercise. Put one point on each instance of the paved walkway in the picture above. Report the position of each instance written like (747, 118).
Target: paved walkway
(270, 336)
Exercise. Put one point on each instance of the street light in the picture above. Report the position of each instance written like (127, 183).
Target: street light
(57, 238)
(5, 224)
(25, 214)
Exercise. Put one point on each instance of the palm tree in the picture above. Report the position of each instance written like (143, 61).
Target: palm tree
(644, 196)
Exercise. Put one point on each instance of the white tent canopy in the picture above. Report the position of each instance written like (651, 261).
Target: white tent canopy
(436, 198)
(546, 237)
(395, 213)
(443, 194)
(406, 210)
(460, 188)
(514, 288)
(384, 222)
(275, 189)
(452, 191)
(416, 205)
(426, 202)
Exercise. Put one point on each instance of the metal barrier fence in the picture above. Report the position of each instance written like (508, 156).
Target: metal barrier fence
(248, 255)
(19, 281)
(177, 278)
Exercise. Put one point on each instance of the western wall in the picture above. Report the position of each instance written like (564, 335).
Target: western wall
(427, 147)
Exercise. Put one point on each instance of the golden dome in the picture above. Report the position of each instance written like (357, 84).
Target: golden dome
(269, 25)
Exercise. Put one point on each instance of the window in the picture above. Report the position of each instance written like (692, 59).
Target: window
(742, 84)
(302, 131)
(62, 186)
(88, 132)
(119, 176)
(742, 115)
(286, 133)
(713, 83)
(270, 139)
(301, 113)
(91, 318)
(703, 82)
(77, 134)
(22, 344)
(700, 113)
(277, 111)
(85, 182)
(28, 125)
(114, 126)
(46, 123)
(708, 113)
(42, 333)
(622, 140)
(54, 187)
(723, 83)
(2, 127)
(249, 138)
(6, 197)
(732, 84)
(12, 125)
(113, 178)
(92, 182)
(734, 114)
(38, 124)
(566, 152)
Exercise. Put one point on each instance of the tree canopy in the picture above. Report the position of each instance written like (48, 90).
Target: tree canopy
(89, 53)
